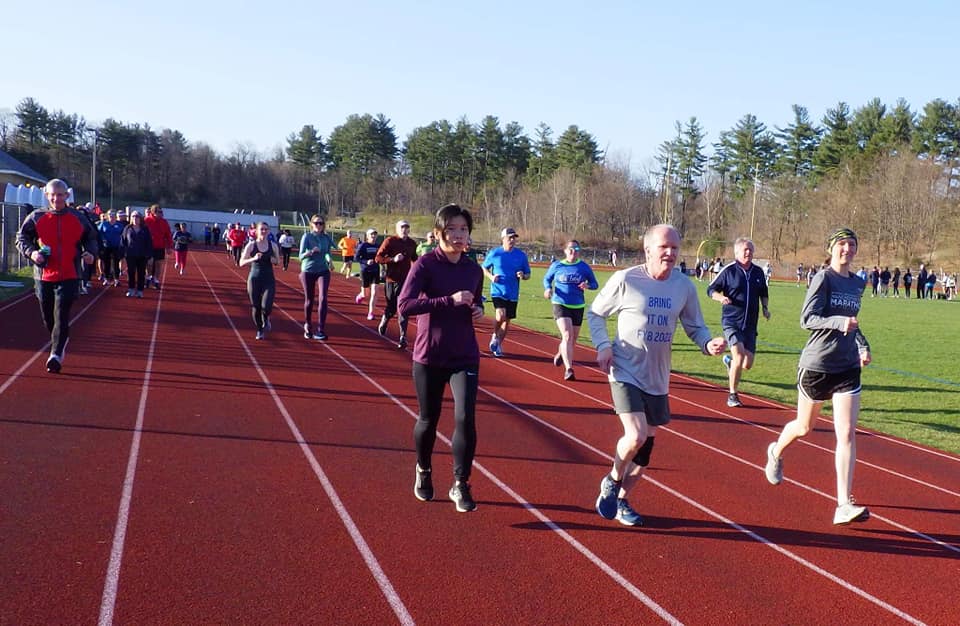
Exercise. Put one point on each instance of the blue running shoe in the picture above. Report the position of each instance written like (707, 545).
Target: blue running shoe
(727, 361)
(607, 500)
(626, 515)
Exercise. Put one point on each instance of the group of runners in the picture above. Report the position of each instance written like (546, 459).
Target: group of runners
(442, 285)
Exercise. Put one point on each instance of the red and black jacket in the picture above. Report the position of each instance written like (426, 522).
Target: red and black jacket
(68, 234)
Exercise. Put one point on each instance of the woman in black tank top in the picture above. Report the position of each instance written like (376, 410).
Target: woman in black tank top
(261, 255)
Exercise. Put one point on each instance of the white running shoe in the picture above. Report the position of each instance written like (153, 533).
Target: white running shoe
(774, 467)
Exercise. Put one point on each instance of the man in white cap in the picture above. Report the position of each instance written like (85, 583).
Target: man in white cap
(397, 252)
(505, 266)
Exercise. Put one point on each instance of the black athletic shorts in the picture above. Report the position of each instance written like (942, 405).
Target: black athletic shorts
(575, 314)
(821, 386)
(370, 278)
(509, 305)
(159, 254)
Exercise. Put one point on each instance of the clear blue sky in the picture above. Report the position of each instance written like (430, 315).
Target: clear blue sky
(224, 73)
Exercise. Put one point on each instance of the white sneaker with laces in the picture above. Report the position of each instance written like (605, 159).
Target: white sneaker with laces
(850, 512)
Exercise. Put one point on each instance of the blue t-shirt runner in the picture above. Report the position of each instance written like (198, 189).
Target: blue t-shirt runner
(505, 266)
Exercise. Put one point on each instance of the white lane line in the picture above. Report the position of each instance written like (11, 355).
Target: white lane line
(386, 587)
(44, 349)
(15, 301)
(108, 601)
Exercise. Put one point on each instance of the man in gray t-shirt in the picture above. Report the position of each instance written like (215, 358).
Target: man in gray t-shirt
(648, 301)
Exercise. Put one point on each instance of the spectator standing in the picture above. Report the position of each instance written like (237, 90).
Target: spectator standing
(922, 282)
(207, 235)
(800, 274)
(57, 240)
(885, 277)
(896, 282)
(397, 252)
(505, 266)
(874, 282)
(930, 285)
(215, 234)
(907, 282)
(742, 289)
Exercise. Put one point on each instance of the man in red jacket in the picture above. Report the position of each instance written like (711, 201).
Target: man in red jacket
(56, 239)
(162, 239)
(397, 252)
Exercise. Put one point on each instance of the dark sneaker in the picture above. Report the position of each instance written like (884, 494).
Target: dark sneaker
(557, 360)
(320, 335)
(402, 343)
(733, 400)
(607, 500)
(727, 361)
(850, 512)
(423, 485)
(460, 494)
(495, 347)
(568, 375)
(774, 467)
(626, 515)
(259, 335)
(382, 328)
(53, 364)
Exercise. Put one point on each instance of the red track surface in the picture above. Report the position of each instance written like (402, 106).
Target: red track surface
(179, 472)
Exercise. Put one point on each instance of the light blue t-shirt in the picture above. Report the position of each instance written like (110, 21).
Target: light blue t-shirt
(565, 279)
(505, 264)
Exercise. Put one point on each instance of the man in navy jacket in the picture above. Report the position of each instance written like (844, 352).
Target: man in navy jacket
(741, 288)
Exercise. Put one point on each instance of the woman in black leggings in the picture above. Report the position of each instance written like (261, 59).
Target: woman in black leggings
(444, 288)
(261, 254)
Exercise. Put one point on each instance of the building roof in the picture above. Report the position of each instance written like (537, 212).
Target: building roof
(9, 165)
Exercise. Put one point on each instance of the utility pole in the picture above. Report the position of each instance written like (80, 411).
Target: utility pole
(93, 170)
(756, 185)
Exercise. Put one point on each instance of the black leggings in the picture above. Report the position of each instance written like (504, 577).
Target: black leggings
(430, 382)
(392, 293)
(285, 256)
(261, 292)
(235, 252)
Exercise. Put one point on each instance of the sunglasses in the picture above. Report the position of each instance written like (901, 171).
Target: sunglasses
(320, 223)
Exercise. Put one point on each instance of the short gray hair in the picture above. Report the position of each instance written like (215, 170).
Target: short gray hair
(55, 183)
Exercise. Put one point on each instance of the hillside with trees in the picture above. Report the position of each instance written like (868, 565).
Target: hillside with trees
(889, 172)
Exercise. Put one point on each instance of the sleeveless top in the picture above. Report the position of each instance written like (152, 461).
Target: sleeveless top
(262, 269)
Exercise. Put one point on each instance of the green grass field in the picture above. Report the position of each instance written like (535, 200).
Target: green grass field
(24, 276)
(911, 390)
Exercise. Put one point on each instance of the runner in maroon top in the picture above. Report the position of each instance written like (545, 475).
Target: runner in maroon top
(444, 289)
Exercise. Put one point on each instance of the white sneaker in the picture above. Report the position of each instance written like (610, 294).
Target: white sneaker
(774, 467)
(130, 293)
(850, 512)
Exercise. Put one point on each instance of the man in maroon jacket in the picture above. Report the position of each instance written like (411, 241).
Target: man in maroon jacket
(397, 252)
(56, 239)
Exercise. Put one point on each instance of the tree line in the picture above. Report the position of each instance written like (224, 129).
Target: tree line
(890, 173)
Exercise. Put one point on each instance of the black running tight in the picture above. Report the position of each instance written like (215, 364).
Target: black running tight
(430, 383)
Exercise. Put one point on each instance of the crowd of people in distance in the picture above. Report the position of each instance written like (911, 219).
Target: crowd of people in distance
(440, 281)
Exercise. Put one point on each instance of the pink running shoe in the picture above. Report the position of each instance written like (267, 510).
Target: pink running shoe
(369, 316)
(359, 298)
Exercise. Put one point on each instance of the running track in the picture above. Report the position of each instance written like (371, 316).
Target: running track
(179, 472)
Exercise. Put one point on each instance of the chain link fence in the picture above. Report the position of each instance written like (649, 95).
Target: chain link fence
(11, 216)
